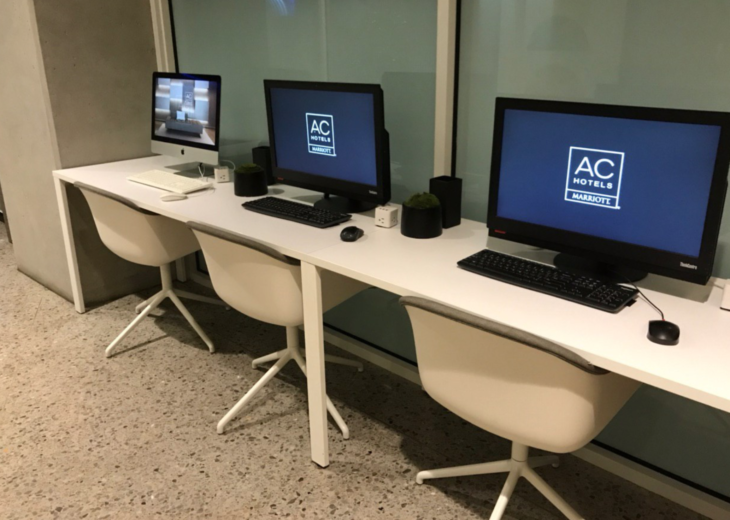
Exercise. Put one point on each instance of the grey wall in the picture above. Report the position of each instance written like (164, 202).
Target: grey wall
(80, 95)
(5, 216)
(28, 151)
(99, 56)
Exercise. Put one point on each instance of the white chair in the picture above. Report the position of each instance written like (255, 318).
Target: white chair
(267, 285)
(515, 385)
(144, 238)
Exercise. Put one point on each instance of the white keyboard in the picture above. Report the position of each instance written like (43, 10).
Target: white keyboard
(170, 181)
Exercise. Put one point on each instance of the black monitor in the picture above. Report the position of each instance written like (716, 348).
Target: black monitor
(330, 137)
(186, 116)
(619, 191)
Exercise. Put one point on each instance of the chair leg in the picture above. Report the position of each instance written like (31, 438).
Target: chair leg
(343, 361)
(549, 493)
(191, 320)
(150, 307)
(292, 338)
(337, 360)
(536, 462)
(338, 419)
(505, 495)
(519, 465)
(296, 354)
(499, 466)
(153, 301)
(145, 303)
(268, 358)
(253, 391)
(198, 297)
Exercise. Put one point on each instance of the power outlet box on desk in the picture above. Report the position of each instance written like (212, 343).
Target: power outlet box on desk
(222, 173)
(386, 216)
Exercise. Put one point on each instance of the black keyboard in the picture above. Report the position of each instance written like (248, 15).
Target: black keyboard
(543, 278)
(296, 211)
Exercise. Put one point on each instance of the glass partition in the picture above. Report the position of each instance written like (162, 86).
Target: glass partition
(656, 53)
(389, 42)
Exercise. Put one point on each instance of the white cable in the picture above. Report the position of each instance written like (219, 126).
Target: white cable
(226, 160)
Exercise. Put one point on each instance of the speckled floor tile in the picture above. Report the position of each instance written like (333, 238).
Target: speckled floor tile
(82, 436)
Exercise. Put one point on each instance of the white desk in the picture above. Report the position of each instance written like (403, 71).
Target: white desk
(217, 207)
(698, 368)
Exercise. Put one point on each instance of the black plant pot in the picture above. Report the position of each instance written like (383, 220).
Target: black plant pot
(421, 223)
(251, 184)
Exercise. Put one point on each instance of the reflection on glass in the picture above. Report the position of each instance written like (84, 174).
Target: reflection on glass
(390, 43)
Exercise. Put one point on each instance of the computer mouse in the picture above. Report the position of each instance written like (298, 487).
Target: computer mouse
(170, 197)
(663, 332)
(351, 233)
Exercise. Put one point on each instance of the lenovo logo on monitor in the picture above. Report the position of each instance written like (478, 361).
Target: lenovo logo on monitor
(687, 266)
(321, 134)
(594, 177)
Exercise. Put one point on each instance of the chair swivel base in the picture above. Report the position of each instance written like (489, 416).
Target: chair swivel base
(518, 466)
(282, 357)
(154, 301)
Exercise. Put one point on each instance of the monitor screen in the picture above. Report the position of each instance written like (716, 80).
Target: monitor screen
(186, 110)
(327, 133)
(636, 181)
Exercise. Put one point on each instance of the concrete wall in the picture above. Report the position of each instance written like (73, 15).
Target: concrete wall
(28, 151)
(5, 216)
(80, 94)
(99, 56)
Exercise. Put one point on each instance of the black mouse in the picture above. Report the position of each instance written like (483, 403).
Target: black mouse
(351, 233)
(663, 332)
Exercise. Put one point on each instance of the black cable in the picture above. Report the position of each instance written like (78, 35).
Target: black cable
(642, 294)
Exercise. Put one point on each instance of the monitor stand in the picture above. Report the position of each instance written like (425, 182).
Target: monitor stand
(344, 204)
(604, 270)
(189, 169)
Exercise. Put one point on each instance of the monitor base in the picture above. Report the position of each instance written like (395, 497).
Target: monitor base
(191, 169)
(606, 271)
(344, 204)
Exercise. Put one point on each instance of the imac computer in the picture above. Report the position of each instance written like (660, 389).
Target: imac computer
(616, 190)
(331, 138)
(186, 116)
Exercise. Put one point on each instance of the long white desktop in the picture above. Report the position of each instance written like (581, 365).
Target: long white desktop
(698, 368)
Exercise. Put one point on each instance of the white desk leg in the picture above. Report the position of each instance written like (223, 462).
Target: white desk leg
(314, 343)
(68, 241)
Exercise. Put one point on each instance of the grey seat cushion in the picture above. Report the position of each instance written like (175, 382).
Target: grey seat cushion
(504, 331)
(113, 196)
(243, 241)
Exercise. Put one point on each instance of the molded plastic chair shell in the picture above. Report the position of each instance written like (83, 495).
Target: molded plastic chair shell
(512, 383)
(265, 284)
(135, 234)
(144, 238)
(259, 281)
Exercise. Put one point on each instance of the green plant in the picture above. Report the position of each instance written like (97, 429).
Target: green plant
(249, 168)
(422, 201)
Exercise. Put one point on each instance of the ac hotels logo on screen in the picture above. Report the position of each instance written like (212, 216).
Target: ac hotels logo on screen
(321, 134)
(594, 177)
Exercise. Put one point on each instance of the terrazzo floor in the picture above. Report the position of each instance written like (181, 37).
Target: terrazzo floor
(82, 436)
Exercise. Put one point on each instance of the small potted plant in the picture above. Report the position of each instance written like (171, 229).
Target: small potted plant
(421, 216)
(250, 181)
